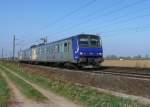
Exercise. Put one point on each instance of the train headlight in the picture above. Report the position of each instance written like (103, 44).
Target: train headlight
(99, 53)
(81, 53)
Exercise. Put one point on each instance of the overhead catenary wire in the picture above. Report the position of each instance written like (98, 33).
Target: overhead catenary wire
(104, 35)
(133, 29)
(69, 14)
(117, 19)
(137, 29)
(137, 2)
(97, 11)
(123, 21)
(60, 19)
(102, 15)
(120, 21)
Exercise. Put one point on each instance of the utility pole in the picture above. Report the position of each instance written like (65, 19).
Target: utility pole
(14, 46)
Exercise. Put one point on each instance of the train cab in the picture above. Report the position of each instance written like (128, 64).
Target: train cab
(88, 49)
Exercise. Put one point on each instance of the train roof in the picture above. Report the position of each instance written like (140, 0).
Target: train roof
(72, 37)
(42, 44)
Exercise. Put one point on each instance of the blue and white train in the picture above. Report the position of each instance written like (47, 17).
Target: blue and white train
(81, 50)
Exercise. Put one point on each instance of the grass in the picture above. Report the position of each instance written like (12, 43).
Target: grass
(25, 88)
(127, 63)
(5, 93)
(83, 94)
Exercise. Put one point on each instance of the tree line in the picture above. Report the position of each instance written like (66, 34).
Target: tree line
(137, 57)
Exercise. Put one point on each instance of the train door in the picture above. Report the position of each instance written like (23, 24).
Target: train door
(75, 47)
(70, 51)
(34, 56)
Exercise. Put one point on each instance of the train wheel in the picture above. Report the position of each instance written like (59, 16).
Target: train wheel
(71, 66)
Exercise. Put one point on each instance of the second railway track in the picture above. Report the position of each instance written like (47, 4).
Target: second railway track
(118, 71)
(126, 74)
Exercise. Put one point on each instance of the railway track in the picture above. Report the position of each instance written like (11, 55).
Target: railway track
(126, 74)
(118, 71)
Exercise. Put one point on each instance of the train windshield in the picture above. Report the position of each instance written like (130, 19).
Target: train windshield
(89, 41)
(84, 42)
(94, 42)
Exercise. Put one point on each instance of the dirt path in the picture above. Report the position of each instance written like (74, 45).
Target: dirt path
(54, 99)
(19, 100)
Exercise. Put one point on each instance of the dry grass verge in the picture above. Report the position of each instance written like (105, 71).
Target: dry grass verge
(127, 63)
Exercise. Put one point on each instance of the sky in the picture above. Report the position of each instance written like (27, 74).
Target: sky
(124, 25)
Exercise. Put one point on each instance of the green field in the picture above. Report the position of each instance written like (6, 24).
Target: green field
(24, 87)
(81, 94)
(5, 93)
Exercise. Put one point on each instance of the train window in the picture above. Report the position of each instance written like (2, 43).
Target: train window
(40, 50)
(58, 48)
(68, 46)
(52, 49)
(48, 49)
(100, 43)
(84, 42)
(65, 44)
(61, 48)
(89, 41)
(65, 47)
(94, 42)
